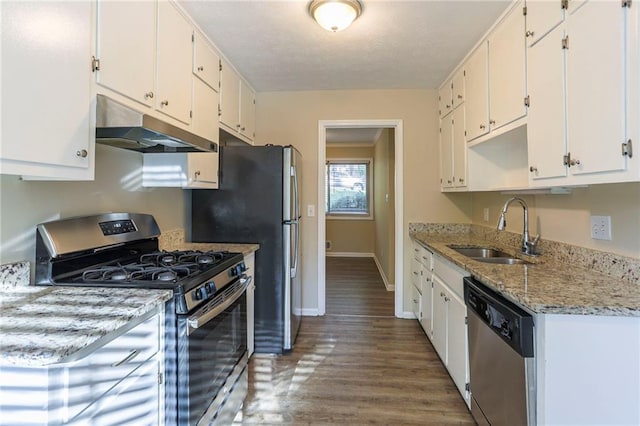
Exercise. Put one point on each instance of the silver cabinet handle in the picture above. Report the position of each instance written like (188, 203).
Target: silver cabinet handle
(492, 122)
(132, 355)
(415, 273)
(148, 95)
(200, 68)
(459, 96)
(529, 33)
(574, 162)
(533, 169)
(446, 299)
(441, 294)
(482, 127)
(196, 174)
(82, 153)
(164, 103)
(243, 129)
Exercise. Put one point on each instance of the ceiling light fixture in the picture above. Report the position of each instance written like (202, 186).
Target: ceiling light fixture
(335, 15)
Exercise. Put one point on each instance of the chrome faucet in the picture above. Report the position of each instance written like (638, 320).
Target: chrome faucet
(528, 247)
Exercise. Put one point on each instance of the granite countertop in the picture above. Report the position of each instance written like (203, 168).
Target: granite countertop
(546, 286)
(41, 326)
(245, 249)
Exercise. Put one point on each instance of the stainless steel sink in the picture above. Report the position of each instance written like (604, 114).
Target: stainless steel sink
(488, 255)
(483, 252)
(501, 260)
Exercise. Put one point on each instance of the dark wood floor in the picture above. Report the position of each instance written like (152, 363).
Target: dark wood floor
(356, 365)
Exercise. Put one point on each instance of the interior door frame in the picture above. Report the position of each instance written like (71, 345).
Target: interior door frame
(397, 126)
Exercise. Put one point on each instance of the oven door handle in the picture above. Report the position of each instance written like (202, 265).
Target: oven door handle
(199, 320)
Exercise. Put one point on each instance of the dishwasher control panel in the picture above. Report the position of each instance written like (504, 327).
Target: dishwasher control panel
(513, 324)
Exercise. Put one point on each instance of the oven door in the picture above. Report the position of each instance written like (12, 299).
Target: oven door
(212, 342)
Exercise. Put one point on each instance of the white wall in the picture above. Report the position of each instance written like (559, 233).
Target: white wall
(292, 118)
(117, 187)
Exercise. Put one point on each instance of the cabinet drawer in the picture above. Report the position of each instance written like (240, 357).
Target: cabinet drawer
(450, 274)
(88, 378)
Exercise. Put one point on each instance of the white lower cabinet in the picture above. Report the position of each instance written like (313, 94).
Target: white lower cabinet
(445, 320)
(249, 261)
(115, 383)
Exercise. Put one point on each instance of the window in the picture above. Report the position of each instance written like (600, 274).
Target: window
(348, 188)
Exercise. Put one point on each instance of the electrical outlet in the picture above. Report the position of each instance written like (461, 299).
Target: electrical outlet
(328, 245)
(601, 227)
(485, 214)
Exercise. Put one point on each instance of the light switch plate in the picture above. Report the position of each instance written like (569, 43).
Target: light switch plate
(485, 214)
(601, 227)
(311, 210)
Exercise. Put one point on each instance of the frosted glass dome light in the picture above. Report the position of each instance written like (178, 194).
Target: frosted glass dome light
(335, 15)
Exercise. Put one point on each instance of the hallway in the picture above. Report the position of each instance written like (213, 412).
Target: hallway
(354, 366)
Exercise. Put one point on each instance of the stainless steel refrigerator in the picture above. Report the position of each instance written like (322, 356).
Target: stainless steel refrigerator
(258, 201)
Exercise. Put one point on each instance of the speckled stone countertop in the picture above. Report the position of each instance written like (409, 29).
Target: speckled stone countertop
(45, 325)
(547, 286)
(174, 240)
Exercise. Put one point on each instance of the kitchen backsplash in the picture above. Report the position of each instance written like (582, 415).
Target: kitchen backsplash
(614, 265)
(171, 240)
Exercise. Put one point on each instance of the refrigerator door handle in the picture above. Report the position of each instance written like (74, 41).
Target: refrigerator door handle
(294, 270)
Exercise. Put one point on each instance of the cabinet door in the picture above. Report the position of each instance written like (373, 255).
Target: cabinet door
(202, 169)
(247, 111)
(126, 48)
(446, 152)
(229, 96)
(457, 351)
(204, 120)
(439, 321)
(459, 146)
(427, 302)
(445, 101)
(596, 87)
(206, 62)
(542, 17)
(457, 87)
(415, 272)
(47, 127)
(477, 93)
(415, 302)
(507, 85)
(546, 141)
(174, 63)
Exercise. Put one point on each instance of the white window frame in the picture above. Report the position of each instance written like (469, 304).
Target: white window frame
(353, 216)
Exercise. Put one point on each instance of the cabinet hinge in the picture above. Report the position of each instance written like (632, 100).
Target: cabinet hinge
(220, 65)
(565, 42)
(467, 387)
(464, 73)
(524, 10)
(190, 114)
(193, 38)
(160, 378)
(627, 149)
(95, 64)
(465, 133)
(564, 4)
(566, 159)
(527, 101)
(626, 3)
(466, 320)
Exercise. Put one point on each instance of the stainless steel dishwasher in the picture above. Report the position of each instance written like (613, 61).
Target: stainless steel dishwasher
(501, 363)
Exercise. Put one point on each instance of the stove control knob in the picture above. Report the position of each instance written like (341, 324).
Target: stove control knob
(201, 293)
(238, 269)
(211, 287)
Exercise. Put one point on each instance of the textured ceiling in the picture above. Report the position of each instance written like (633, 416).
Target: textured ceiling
(394, 44)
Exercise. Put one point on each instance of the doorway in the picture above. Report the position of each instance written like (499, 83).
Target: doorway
(395, 130)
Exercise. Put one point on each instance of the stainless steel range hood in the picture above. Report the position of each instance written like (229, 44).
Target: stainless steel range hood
(123, 127)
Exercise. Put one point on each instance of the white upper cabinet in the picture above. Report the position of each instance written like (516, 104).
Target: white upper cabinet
(126, 45)
(229, 96)
(577, 78)
(542, 17)
(206, 62)
(546, 121)
(446, 153)
(204, 120)
(174, 55)
(477, 93)
(459, 147)
(445, 100)
(247, 111)
(48, 118)
(507, 78)
(595, 58)
(457, 88)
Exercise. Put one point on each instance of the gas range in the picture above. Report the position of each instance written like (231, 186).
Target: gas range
(121, 250)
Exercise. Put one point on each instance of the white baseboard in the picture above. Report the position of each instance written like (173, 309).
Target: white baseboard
(408, 315)
(347, 254)
(308, 312)
(387, 285)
